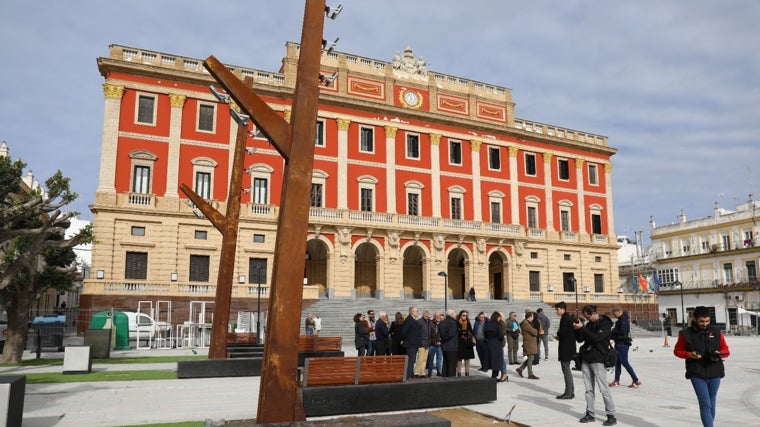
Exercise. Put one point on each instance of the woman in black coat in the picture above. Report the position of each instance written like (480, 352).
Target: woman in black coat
(494, 334)
(361, 334)
(466, 343)
(395, 332)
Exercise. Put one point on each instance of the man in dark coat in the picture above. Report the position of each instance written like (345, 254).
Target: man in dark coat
(565, 348)
(410, 339)
(595, 336)
(447, 330)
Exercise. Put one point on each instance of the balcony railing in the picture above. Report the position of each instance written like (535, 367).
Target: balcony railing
(141, 199)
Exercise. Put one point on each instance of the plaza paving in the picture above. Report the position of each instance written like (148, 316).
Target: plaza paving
(664, 399)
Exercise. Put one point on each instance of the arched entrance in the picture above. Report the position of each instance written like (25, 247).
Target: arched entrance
(365, 271)
(497, 276)
(458, 283)
(316, 265)
(412, 272)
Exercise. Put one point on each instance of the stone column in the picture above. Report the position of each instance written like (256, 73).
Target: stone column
(549, 208)
(477, 203)
(435, 174)
(175, 133)
(106, 191)
(514, 187)
(581, 196)
(390, 173)
(343, 125)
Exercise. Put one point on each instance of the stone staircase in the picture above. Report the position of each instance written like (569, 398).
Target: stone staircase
(337, 314)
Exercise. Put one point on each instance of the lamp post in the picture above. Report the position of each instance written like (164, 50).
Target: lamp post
(258, 304)
(445, 290)
(571, 280)
(683, 310)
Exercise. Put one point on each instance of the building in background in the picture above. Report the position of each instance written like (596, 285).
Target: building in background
(416, 173)
(712, 262)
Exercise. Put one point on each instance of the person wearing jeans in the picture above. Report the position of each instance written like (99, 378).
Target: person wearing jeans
(704, 347)
(621, 334)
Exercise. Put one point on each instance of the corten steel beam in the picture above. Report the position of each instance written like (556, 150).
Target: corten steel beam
(228, 226)
(279, 399)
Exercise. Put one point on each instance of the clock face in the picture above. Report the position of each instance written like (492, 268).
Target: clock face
(411, 98)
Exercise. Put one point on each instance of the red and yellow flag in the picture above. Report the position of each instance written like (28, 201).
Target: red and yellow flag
(643, 283)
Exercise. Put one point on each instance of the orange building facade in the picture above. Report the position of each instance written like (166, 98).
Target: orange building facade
(415, 173)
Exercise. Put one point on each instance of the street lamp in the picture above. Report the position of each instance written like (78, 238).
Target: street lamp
(571, 280)
(683, 310)
(258, 303)
(445, 290)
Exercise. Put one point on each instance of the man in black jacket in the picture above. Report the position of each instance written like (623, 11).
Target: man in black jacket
(410, 339)
(448, 333)
(595, 336)
(565, 349)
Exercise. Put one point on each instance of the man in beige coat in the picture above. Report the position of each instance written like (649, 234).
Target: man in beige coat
(530, 344)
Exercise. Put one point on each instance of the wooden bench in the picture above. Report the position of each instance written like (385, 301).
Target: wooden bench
(315, 343)
(330, 371)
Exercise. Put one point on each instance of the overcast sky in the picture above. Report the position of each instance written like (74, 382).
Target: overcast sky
(674, 85)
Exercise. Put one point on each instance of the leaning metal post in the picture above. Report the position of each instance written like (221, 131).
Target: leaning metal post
(279, 399)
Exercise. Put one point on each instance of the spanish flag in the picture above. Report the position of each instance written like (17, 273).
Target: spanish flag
(643, 283)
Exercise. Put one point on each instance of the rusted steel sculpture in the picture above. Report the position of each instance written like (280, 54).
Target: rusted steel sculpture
(278, 394)
(228, 226)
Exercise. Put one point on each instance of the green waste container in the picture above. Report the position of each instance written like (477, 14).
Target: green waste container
(118, 322)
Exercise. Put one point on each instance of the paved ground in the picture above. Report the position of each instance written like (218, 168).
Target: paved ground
(664, 399)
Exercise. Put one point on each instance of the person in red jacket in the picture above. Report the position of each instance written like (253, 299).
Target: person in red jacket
(704, 348)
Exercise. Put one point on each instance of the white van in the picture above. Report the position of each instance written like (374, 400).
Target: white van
(142, 323)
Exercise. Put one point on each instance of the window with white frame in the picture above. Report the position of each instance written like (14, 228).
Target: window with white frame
(261, 176)
(319, 136)
(728, 273)
(593, 174)
(260, 191)
(412, 146)
(142, 168)
(726, 240)
(145, 109)
(595, 212)
(455, 152)
(456, 202)
(413, 197)
(494, 158)
(203, 168)
(563, 169)
(531, 206)
(530, 164)
(206, 117)
(565, 215)
(318, 182)
(495, 200)
(203, 184)
(367, 186)
(366, 139)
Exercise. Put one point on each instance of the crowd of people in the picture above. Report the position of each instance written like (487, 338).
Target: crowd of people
(444, 344)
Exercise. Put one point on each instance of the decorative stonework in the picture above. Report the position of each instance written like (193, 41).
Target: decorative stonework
(475, 144)
(579, 163)
(607, 167)
(407, 67)
(547, 158)
(113, 91)
(435, 138)
(287, 115)
(343, 124)
(512, 151)
(176, 100)
(390, 131)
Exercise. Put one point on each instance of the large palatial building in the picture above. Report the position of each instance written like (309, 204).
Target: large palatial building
(415, 173)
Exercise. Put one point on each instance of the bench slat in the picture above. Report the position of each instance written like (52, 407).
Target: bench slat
(330, 371)
(382, 369)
